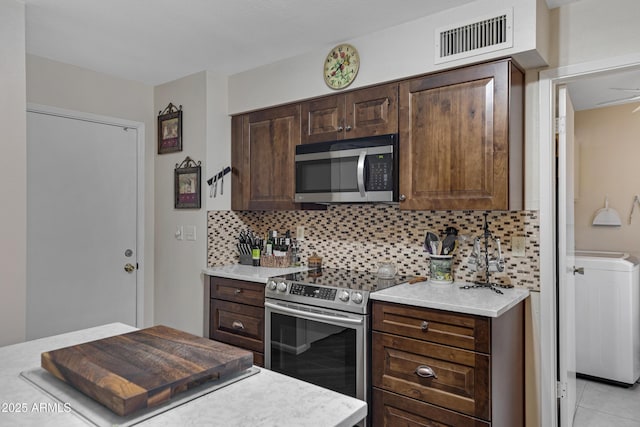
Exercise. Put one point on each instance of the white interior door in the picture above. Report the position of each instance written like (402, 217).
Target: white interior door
(81, 224)
(566, 248)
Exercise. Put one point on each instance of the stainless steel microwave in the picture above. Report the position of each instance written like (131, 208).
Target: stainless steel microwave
(348, 171)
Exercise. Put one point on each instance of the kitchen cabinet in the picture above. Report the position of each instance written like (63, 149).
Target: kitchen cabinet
(355, 114)
(461, 136)
(446, 368)
(262, 158)
(236, 314)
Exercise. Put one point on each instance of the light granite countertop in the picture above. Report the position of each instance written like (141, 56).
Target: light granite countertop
(452, 297)
(264, 399)
(249, 272)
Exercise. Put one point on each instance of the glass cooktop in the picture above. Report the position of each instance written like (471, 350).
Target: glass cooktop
(342, 278)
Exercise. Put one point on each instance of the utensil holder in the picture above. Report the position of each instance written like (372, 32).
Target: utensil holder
(440, 269)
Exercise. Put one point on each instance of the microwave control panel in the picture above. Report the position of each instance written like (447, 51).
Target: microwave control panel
(379, 172)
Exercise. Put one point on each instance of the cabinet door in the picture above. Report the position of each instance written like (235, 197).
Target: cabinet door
(372, 111)
(454, 131)
(323, 119)
(264, 161)
(364, 112)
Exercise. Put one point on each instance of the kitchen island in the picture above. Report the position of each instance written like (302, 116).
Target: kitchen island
(264, 399)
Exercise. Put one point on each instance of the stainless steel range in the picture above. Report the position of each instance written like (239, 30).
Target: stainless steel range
(317, 326)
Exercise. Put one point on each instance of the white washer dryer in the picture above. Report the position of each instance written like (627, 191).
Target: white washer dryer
(608, 316)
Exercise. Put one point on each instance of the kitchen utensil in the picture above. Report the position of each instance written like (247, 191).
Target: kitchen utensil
(429, 239)
(448, 244)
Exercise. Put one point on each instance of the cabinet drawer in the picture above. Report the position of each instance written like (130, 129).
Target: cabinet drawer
(390, 409)
(237, 324)
(237, 291)
(443, 327)
(462, 381)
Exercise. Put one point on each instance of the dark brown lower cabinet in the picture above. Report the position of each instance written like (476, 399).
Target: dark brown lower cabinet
(439, 368)
(236, 315)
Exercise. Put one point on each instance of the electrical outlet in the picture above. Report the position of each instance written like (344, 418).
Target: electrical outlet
(300, 233)
(518, 246)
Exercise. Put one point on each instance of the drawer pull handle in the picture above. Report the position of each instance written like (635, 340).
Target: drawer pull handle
(237, 325)
(425, 372)
(424, 326)
(238, 291)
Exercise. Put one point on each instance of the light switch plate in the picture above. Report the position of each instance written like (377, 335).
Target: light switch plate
(518, 246)
(190, 232)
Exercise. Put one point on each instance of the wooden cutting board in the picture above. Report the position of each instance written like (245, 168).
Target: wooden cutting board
(144, 368)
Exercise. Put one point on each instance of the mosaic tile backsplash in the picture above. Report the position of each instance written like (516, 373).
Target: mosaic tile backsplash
(359, 236)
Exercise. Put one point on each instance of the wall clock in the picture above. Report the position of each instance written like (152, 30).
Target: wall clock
(341, 66)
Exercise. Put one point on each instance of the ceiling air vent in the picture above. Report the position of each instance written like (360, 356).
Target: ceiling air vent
(487, 34)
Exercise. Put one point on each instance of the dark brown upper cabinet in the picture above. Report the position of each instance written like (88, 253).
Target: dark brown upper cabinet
(356, 114)
(262, 156)
(461, 139)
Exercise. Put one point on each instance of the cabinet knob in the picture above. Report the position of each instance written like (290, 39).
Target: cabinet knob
(402, 197)
(238, 291)
(237, 325)
(424, 326)
(348, 128)
(425, 371)
(340, 128)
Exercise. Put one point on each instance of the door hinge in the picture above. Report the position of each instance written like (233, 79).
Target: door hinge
(561, 390)
(560, 125)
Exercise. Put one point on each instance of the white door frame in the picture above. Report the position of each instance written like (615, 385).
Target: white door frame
(140, 144)
(548, 80)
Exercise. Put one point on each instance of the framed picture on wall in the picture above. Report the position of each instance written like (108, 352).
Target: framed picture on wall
(187, 188)
(170, 129)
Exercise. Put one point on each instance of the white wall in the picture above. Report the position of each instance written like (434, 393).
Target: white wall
(73, 88)
(218, 140)
(609, 151)
(13, 173)
(390, 54)
(590, 30)
(206, 137)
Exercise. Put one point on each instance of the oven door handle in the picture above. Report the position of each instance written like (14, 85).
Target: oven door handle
(317, 316)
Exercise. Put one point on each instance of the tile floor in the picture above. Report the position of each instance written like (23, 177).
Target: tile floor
(604, 405)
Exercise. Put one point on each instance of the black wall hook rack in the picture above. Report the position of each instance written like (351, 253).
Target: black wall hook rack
(219, 175)
(213, 182)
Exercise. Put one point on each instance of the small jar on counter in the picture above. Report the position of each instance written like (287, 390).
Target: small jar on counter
(314, 262)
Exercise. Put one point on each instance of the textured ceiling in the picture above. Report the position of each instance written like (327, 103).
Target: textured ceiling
(155, 41)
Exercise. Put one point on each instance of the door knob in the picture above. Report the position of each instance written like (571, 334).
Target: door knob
(579, 270)
(128, 267)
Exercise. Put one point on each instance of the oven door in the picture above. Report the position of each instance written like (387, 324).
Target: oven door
(320, 346)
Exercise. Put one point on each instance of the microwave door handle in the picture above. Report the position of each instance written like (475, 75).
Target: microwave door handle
(360, 172)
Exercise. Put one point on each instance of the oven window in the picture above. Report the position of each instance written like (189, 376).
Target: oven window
(315, 352)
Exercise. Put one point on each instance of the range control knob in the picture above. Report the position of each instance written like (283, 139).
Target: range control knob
(282, 287)
(344, 296)
(272, 285)
(356, 297)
